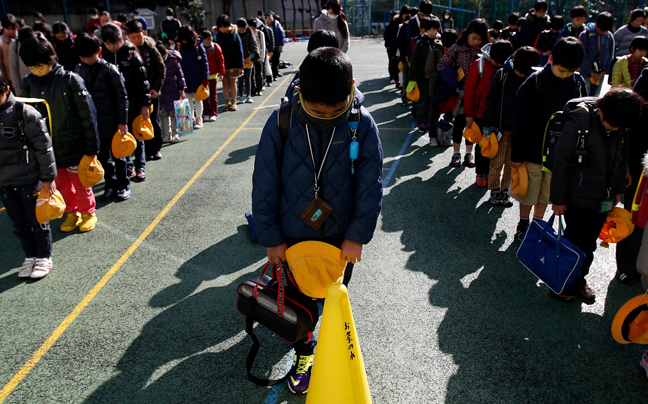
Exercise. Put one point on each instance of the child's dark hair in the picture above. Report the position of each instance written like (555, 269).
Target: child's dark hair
(241, 23)
(621, 107)
(604, 21)
(4, 83)
(86, 44)
(319, 69)
(37, 51)
(322, 39)
(578, 11)
(449, 37)
(252, 22)
(498, 25)
(170, 12)
(223, 21)
(557, 22)
(187, 33)
(638, 13)
(429, 23)
(513, 19)
(60, 27)
(44, 28)
(111, 33)
(568, 52)
(540, 5)
(525, 58)
(9, 21)
(425, 7)
(405, 10)
(500, 51)
(639, 42)
(161, 48)
(94, 11)
(206, 35)
(521, 21)
(336, 7)
(133, 26)
(25, 33)
(477, 26)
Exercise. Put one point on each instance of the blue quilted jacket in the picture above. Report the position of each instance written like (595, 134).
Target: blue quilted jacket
(283, 181)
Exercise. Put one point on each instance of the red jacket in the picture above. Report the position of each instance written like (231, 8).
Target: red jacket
(476, 89)
(216, 60)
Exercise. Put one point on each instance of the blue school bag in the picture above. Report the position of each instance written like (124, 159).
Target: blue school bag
(555, 260)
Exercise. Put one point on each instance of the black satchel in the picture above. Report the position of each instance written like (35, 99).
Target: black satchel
(264, 300)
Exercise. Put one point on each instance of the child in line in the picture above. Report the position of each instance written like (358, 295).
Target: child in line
(578, 16)
(124, 55)
(599, 52)
(21, 179)
(475, 93)
(257, 70)
(547, 38)
(74, 127)
(428, 49)
(499, 115)
(495, 33)
(195, 68)
(628, 68)
(326, 98)
(227, 37)
(250, 56)
(542, 94)
(63, 42)
(512, 27)
(172, 90)
(18, 68)
(461, 55)
(106, 86)
(448, 38)
(216, 67)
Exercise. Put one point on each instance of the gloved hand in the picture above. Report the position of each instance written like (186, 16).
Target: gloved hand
(487, 131)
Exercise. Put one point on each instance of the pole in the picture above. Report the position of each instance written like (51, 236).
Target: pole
(65, 12)
(479, 13)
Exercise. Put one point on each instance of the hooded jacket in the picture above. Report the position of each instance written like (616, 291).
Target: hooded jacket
(194, 64)
(106, 85)
(65, 52)
(502, 98)
(532, 28)
(174, 80)
(422, 51)
(476, 89)
(215, 60)
(155, 69)
(283, 181)
(250, 45)
(74, 117)
(279, 34)
(597, 47)
(586, 185)
(232, 48)
(17, 168)
(324, 23)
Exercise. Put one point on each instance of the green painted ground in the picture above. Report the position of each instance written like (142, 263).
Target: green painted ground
(444, 311)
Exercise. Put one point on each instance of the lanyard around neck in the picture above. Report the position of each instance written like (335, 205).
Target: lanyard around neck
(317, 173)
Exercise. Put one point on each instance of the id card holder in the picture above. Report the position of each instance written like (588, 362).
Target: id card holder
(606, 205)
(316, 213)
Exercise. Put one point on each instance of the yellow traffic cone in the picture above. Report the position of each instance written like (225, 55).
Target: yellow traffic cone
(338, 374)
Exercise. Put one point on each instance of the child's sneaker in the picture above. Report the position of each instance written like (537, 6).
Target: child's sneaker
(434, 142)
(130, 171)
(300, 373)
(198, 123)
(585, 291)
(249, 100)
(26, 268)
(506, 198)
(521, 230)
(482, 180)
(469, 160)
(234, 107)
(141, 174)
(41, 268)
(644, 362)
(88, 222)
(107, 195)
(227, 107)
(495, 197)
(456, 160)
(240, 100)
(72, 221)
(123, 194)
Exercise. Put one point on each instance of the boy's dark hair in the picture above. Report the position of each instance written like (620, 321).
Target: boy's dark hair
(94, 11)
(161, 48)
(44, 28)
(513, 19)
(639, 42)
(604, 21)
(252, 22)
(133, 27)
(223, 21)
(86, 44)
(9, 21)
(477, 26)
(521, 21)
(122, 18)
(425, 7)
(498, 25)
(405, 10)
(578, 11)
(621, 107)
(449, 37)
(568, 52)
(206, 35)
(187, 33)
(241, 23)
(4, 83)
(322, 39)
(37, 51)
(501, 50)
(111, 33)
(428, 23)
(540, 5)
(525, 58)
(25, 33)
(60, 27)
(319, 69)
(170, 11)
(557, 22)
(638, 13)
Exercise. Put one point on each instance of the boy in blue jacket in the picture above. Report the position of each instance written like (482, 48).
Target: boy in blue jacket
(314, 162)
(599, 52)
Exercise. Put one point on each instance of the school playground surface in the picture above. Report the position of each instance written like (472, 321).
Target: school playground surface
(142, 309)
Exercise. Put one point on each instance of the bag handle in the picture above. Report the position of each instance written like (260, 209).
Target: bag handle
(561, 231)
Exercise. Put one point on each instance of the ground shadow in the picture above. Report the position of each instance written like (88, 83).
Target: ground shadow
(241, 155)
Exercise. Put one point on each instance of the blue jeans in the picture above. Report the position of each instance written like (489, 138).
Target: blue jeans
(20, 202)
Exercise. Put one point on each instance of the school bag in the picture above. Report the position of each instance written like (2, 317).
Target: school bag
(41, 106)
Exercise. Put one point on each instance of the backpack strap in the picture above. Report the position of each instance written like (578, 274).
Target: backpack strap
(19, 109)
(284, 120)
(254, 350)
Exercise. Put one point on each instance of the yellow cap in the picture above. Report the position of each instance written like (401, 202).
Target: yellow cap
(630, 325)
(489, 146)
(203, 92)
(49, 206)
(473, 133)
(123, 146)
(618, 225)
(520, 178)
(315, 266)
(143, 128)
(90, 171)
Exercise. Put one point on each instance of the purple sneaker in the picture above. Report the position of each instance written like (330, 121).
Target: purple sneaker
(300, 373)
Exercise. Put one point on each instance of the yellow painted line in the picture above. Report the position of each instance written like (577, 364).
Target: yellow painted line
(42, 350)
(253, 128)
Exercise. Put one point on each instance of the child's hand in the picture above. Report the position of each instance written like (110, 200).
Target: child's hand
(469, 122)
(559, 209)
(154, 94)
(123, 129)
(182, 95)
(617, 200)
(145, 112)
(351, 251)
(277, 254)
(50, 186)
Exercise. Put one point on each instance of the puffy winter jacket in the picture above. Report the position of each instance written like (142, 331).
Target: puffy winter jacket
(586, 185)
(106, 85)
(279, 34)
(194, 65)
(283, 181)
(597, 47)
(476, 89)
(215, 60)
(67, 55)
(250, 45)
(232, 48)
(174, 80)
(502, 98)
(16, 167)
(155, 69)
(74, 117)
(532, 28)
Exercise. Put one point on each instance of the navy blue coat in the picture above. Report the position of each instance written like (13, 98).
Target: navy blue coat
(194, 65)
(283, 181)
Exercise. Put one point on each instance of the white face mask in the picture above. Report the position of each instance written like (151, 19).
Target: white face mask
(94, 17)
(169, 17)
(446, 16)
(332, 16)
